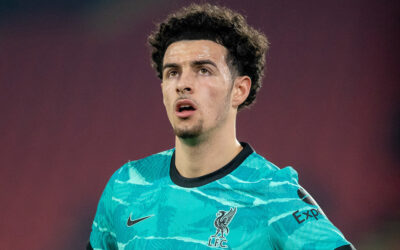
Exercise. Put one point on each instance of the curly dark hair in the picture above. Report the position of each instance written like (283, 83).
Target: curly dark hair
(246, 46)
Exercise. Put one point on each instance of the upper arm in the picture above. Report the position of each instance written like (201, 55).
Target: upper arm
(103, 235)
(296, 220)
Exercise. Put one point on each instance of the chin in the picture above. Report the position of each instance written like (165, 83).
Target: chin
(185, 134)
(191, 133)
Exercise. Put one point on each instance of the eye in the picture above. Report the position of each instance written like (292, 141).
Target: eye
(204, 71)
(172, 73)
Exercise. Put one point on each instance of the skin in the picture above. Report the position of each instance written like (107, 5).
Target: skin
(196, 70)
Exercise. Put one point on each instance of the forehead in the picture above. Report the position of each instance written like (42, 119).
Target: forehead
(194, 50)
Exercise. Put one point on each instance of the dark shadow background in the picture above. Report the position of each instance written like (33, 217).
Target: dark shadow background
(79, 99)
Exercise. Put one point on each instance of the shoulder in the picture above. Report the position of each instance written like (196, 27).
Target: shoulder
(257, 167)
(145, 170)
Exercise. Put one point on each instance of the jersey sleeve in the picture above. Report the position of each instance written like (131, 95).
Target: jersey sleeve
(295, 219)
(103, 235)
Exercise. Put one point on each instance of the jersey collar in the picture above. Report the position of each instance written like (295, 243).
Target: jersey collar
(179, 180)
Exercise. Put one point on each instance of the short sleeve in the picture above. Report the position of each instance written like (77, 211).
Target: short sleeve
(295, 219)
(103, 235)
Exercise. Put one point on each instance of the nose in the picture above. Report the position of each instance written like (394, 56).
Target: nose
(185, 84)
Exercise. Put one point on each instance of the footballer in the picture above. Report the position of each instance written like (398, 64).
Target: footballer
(210, 191)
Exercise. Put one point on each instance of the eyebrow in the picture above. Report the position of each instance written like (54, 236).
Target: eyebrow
(170, 65)
(194, 63)
(202, 62)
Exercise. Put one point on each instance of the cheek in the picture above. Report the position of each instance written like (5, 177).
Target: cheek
(165, 101)
(215, 88)
(166, 98)
(216, 102)
(167, 105)
(217, 95)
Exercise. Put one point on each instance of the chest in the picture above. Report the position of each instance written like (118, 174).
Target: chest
(212, 216)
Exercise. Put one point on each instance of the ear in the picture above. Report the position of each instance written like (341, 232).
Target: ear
(241, 90)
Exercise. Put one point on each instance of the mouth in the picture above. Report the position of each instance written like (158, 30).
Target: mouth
(185, 108)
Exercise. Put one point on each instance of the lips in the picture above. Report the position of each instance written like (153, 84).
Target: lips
(184, 108)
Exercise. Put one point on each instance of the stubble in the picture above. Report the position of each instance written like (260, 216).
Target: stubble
(197, 130)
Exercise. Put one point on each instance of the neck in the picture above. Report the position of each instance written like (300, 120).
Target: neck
(198, 157)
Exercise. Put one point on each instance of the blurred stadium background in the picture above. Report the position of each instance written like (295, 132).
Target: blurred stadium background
(79, 99)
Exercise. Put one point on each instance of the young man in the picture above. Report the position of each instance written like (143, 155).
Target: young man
(210, 191)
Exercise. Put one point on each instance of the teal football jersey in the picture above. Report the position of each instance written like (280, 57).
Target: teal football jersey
(248, 204)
